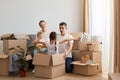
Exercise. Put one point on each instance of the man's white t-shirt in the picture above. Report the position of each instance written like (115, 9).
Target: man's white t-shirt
(51, 48)
(45, 35)
(65, 46)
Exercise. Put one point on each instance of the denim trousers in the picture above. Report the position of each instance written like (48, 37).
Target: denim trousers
(68, 65)
(43, 50)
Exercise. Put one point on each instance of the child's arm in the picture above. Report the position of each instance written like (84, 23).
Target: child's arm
(38, 42)
(35, 41)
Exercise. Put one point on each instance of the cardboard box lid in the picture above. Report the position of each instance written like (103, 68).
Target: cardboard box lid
(41, 59)
(83, 64)
(7, 36)
(3, 56)
(14, 36)
(77, 34)
(46, 60)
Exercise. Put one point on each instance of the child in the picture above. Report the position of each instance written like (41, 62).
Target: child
(40, 48)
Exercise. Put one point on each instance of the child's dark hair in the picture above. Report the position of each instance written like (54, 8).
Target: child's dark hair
(53, 36)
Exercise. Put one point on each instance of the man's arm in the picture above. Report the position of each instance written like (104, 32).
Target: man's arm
(70, 44)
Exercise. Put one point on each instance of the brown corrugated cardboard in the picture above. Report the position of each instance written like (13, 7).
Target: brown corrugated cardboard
(76, 45)
(11, 36)
(114, 76)
(76, 55)
(76, 42)
(49, 66)
(77, 34)
(4, 64)
(83, 46)
(8, 36)
(94, 47)
(85, 69)
(49, 71)
(95, 56)
(13, 44)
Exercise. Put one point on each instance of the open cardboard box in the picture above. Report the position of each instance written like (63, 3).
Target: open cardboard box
(4, 64)
(13, 44)
(94, 55)
(49, 66)
(84, 69)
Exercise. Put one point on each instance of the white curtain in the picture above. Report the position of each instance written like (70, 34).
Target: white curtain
(101, 24)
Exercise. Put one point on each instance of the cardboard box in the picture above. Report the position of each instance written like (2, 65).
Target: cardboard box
(94, 47)
(77, 54)
(114, 76)
(83, 46)
(76, 42)
(13, 44)
(95, 56)
(49, 66)
(4, 64)
(77, 34)
(13, 36)
(1, 46)
(76, 45)
(85, 69)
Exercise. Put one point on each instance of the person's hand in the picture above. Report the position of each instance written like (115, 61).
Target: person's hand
(64, 55)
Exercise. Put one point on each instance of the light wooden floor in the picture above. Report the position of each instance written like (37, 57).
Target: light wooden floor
(70, 76)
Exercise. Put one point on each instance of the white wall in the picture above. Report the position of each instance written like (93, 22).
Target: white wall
(23, 16)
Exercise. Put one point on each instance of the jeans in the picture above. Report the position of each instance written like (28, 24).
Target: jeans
(43, 50)
(68, 65)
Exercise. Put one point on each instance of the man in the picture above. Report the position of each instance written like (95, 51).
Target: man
(45, 35)
(66, 47)
(45, 32)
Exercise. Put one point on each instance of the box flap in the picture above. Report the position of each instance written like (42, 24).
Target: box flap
(14, 36)
(83, 64)
(7, 36)
(21, 36)
(41, 59)
(3, 56)
(77, 34)
(57, 59)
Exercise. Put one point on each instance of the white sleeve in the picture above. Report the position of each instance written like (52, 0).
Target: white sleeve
(71, 37)
(57, 52)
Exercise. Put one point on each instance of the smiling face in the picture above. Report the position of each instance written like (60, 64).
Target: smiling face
(42, 25)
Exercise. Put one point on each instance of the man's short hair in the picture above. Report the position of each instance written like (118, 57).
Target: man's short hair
(41, 22)
(63, 23)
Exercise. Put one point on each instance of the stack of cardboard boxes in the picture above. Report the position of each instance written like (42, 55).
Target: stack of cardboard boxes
(9, 41)
(81, 49)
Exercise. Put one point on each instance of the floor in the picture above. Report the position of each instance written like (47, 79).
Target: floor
(70, 76)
